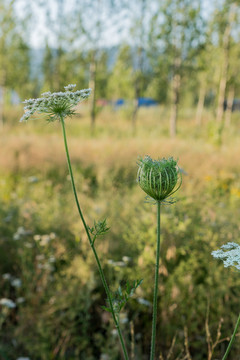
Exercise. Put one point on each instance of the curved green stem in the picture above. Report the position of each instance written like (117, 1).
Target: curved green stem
(91, 242)
(232, 339)
(155, 296)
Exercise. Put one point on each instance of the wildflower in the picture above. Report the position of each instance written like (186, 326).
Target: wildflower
(158, 178)
(21, 231)
(55, 105)
(144, 302)
(20, 300)
(17, 283)
(230, 255)
(8, 303)
(6, 276)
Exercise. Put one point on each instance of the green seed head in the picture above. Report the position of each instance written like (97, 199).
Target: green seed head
(158, 178)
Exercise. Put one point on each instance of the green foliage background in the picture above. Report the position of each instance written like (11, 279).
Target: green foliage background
(43, 243)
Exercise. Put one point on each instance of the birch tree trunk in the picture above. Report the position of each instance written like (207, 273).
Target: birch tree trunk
(176, 83)
(92, 85)
(200, 105)
(225, 66)
(228, 113)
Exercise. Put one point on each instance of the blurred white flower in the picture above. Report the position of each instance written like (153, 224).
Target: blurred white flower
(52, 259)
(32, 179)
(16, 283)
(20, 300)
(144, 302)
(40, 257)
(23, 358)
(8, 303)
(6, 276)
(21, 231)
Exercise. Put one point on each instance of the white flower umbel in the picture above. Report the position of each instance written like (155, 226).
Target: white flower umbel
(55, 105)
(229, 254)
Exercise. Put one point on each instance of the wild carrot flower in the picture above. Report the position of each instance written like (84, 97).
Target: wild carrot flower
(58, 106)
(229, 254)
(158, 178)
(55, 105)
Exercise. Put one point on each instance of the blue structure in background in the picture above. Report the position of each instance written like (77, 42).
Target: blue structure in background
(140, 101)
(146, 102)
(119, 102)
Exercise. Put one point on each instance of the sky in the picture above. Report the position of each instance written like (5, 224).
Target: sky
(44, 28)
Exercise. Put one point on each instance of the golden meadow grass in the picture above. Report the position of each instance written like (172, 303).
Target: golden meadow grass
(36, 149)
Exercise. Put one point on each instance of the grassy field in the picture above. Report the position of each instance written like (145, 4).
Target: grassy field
(43, 245)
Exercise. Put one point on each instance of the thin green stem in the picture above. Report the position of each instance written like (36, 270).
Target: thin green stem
(91, 242)
(155, 296)
(232, 339)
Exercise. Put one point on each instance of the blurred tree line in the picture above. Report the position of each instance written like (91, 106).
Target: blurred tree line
(181, 53)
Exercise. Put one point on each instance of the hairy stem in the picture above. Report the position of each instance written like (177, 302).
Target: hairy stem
(91, 242)
(232, 339)
(155, 296)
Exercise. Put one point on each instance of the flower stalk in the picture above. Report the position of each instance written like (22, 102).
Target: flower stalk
(232, 339)
(91, 242)
(56, 107)
(155, 295)
(159, 179)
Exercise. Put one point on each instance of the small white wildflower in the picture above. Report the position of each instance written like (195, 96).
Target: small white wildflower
(114, 332)
(21, 231)
(6, 276)
(45, 239)
(126, 259)
(40, 257)
(23, 358)
(124, 320)
(32, 179)
(104, 357)
(52, 235)
(20, 300)
(16, 237)
(70, 87)
(37, 237)
(56, 105)
(28, 245)
(17, 283)
(229, 254)
(119, 263)
(51, 259)
(144, 302)
(8, 303)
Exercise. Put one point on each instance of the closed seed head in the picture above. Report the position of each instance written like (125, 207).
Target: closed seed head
(158, 178)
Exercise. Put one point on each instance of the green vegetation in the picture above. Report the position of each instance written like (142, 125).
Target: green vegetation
(185, 56)
(44, 245)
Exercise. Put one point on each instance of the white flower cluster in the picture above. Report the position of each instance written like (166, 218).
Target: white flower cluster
(55, 105)
(15, 282)
(230, 254)
(8, 303)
